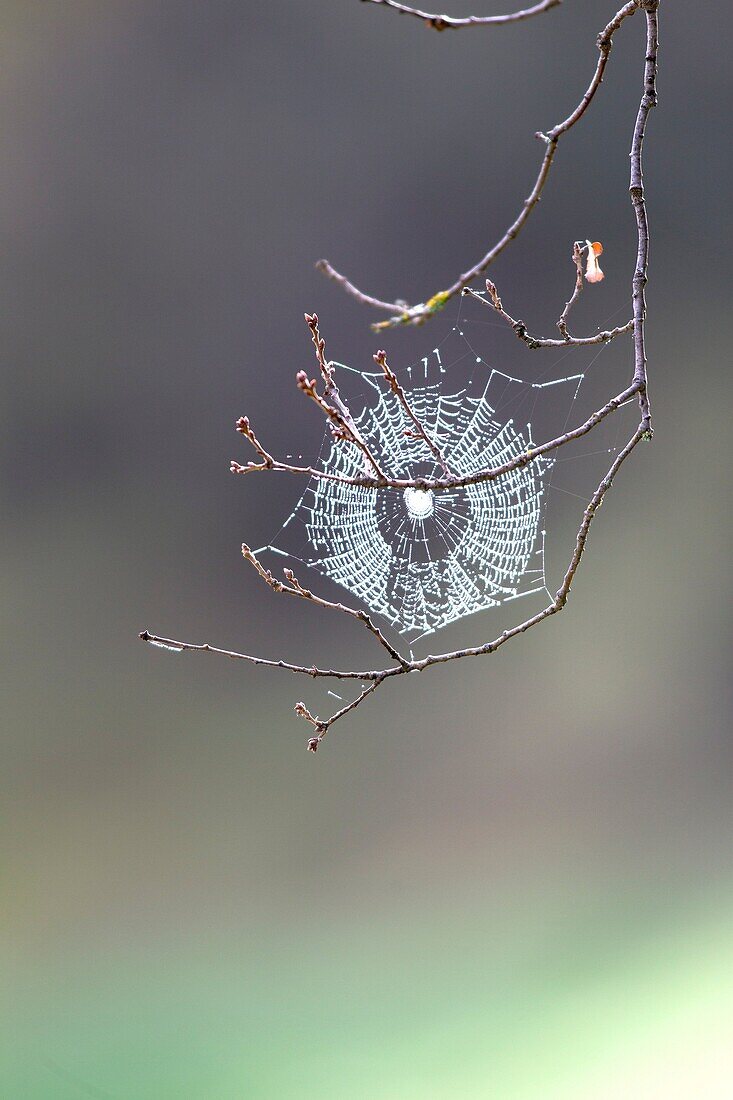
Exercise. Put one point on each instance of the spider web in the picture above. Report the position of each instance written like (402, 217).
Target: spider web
(421, 560)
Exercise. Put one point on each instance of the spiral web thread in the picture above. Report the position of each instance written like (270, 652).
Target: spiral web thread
(422, 560)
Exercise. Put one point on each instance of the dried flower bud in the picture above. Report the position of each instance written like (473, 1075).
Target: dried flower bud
(304, 383)
(593, 272)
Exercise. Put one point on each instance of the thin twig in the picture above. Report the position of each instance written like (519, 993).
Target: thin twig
(561, 596)
(175, 646)
(244, 427)
(321, 725)
(377, 677)
(636, 192)
(520, 328)
(295, 588)
(420, 313)
(420, 433)
(331, 404)
(458, 481)
(562, 323)
(448, 22)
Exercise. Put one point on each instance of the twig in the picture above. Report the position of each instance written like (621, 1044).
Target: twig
(562, 323)
(377, 677)
(342, 422)
(448, 22)
(459, 481)
(420, 433)
(366, 299)
(295, 588)
(322, 726)
(420, 313)
(520, 328)
(175, 646)
(561, 597)
(636, 192)
(244, 427)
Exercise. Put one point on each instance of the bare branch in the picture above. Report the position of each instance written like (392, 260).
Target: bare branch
(533, 342)
(561, 596)
(423, 311)
(447, 22)
(375, 678)
(268, 462)
(459, 481)
(562, 323)
(366, 299)
(311, 319)
(420, 433)
(295, 588)
(322, 726)
(305, 670)
(636, 192)
(342, 422)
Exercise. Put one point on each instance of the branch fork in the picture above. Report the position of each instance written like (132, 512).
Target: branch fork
(419, 314)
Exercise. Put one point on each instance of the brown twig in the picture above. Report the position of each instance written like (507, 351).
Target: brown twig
(377, 677)
(420, 433)
(295, 588)
(562, 323)
(244, 427)
(520, 328)
(458, 481)
(304, 670)
(424, 310)
(331, 404)
(323, 726)
(561, 596)
(636, 192)
(448, 22)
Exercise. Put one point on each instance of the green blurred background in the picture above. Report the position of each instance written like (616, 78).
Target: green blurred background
(508, 879)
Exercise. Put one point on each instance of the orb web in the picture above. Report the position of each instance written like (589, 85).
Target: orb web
(422, 559)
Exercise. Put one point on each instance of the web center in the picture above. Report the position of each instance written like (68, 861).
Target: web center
(419, 503)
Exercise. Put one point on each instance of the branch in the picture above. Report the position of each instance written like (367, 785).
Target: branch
(377, 677)
(533, 342)
(322, 726)
(636, 192)
(447, 22)
(244, 427)
(561, 597)
(342, 422)
(420, 313)
(420, 433)
(562, 323)
(458, 481)
(304, 670)
(295, 588)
